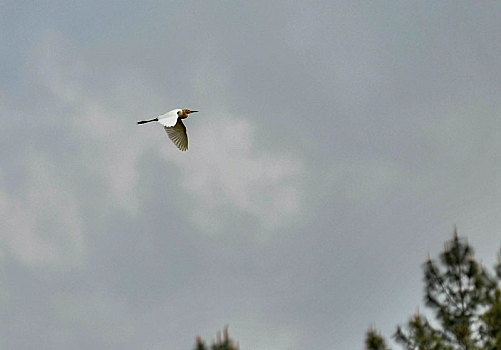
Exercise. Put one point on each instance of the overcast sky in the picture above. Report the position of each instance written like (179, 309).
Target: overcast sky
(337, 143)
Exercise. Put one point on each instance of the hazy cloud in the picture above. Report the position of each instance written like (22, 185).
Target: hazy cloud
(41, 224)
(336, 144)
(227, 174)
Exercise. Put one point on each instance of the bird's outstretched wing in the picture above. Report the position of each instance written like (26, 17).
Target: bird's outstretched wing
(177, 134)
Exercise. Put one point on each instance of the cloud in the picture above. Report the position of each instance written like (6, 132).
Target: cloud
(466, 139)
(54, 64)
(356, 189)
(364, 181)
(41, 223)
(81, 314)
(227, 174)
(98, 129)
(254, 329)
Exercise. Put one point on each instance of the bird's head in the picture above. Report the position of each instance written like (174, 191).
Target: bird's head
(184, 113)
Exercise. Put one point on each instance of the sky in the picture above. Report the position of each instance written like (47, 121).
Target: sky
(337, 143)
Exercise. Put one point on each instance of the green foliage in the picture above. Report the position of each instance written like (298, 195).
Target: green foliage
(491, 332)
(420, 335)
(466, 301)
(374, 341)
(219, 344)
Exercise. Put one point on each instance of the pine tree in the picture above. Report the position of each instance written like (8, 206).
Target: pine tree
(466, 300)
(374, 340)
(219, 344)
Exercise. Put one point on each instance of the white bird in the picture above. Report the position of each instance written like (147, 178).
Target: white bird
(173, 124)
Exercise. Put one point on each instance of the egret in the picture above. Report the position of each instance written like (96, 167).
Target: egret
(173, 124)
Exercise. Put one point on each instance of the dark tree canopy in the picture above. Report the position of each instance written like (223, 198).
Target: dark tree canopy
(465, 299)
(226, 343)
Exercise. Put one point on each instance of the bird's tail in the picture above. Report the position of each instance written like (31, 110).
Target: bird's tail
(147, 121)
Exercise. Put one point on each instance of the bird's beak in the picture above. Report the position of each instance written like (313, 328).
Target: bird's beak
(191, 112)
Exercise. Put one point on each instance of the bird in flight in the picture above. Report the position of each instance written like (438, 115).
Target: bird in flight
(173, 124)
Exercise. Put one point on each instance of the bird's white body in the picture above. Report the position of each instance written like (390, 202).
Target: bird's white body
(172, 122)
(170, 118)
